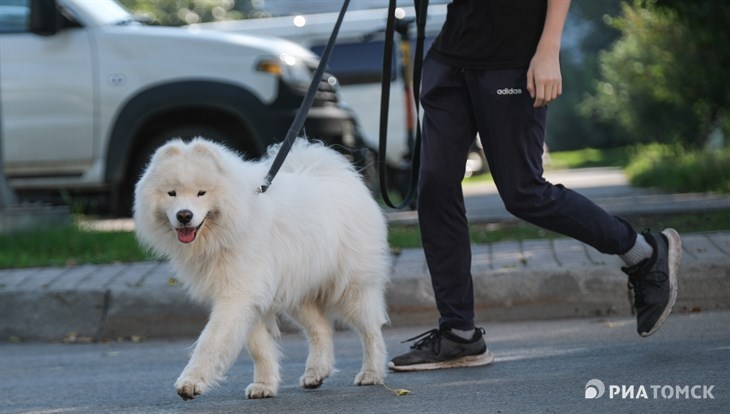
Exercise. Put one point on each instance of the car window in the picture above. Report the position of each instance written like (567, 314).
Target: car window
(14, 16)
(355, 62)
(361, 62)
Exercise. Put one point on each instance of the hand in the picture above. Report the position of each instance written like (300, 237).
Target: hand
(544, 82)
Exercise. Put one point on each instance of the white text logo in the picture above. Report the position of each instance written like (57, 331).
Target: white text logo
(595, 389)
(509, 91)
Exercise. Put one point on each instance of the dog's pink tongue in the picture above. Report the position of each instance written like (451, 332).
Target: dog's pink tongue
(186, 234)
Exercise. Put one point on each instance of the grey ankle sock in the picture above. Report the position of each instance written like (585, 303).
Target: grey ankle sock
(641, 250)
(468, 334)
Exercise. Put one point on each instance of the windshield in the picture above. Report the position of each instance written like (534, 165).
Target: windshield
(102, 12)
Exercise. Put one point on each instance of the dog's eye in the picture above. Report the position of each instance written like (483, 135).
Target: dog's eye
(172, 193)
(201, 193)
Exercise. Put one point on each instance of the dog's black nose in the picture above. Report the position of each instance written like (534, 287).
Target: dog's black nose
(184, 216)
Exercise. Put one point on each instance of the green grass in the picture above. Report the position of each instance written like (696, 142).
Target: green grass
(67, 245)
(672, 168)
(408, 236)
(583, 158)
(590, 157)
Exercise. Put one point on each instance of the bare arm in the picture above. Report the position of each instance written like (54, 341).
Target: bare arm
(544, 81)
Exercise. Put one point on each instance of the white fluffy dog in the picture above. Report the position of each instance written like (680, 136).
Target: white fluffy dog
(312, 246)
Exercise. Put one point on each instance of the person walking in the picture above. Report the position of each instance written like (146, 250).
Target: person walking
(492, 70)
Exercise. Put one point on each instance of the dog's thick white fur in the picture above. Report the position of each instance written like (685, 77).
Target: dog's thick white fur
(313, 246)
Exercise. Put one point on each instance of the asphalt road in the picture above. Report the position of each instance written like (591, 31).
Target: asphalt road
(539, 367)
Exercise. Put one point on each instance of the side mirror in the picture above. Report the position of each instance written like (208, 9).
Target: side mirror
(45, 19)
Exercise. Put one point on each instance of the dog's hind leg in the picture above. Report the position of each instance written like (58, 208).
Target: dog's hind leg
(265, 353)
(365, 311)
(321, 360)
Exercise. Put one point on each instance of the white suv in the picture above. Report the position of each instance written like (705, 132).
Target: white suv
(357, 56)
(87, 93)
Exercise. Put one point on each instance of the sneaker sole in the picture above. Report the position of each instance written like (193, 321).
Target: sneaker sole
(674, 250)
(485, 358)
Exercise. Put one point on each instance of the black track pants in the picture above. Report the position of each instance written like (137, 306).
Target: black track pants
(457, 104)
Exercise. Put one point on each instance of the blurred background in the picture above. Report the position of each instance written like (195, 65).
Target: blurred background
(646, 94)
(646, 81)
(634, 72)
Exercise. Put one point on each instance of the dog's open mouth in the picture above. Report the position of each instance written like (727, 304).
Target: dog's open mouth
(187, 234)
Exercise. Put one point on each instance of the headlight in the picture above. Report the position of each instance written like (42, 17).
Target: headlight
(292, 70)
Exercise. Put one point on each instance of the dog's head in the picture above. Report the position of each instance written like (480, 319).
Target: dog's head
(177, 195)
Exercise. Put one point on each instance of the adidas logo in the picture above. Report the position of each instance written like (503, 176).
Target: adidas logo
(509, 91)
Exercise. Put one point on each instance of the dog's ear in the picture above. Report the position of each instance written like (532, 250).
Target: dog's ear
(170, 149)
(209, 150)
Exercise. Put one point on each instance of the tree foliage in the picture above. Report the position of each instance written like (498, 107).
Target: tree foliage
(181, 12)
(663, 80)
(707, 24)
(586, 34)
(637, 71)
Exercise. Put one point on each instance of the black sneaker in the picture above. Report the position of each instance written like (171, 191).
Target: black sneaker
(438, 349)
(654, 281)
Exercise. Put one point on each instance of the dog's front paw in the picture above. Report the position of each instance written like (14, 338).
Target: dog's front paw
(313, 378)
(187, 390)
(258, 390)
(190, 386)
(368, 378)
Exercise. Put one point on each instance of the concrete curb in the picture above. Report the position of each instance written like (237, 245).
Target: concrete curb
(535, 279)
(99, 302)
(541, 279)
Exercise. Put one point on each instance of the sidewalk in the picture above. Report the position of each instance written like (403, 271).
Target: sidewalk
(533, 279)
(607, 186)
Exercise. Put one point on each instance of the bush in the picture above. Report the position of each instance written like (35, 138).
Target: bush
(673, 168)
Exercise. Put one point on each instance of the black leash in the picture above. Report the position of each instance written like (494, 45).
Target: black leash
(421, 7)
(299, 119)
